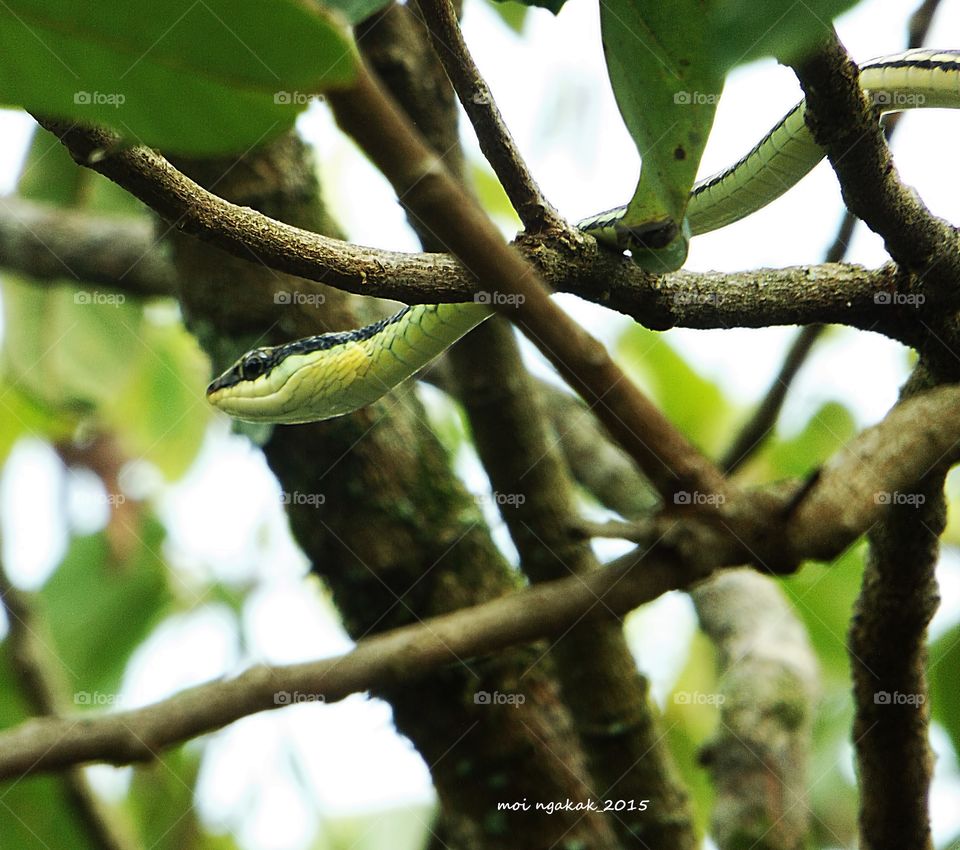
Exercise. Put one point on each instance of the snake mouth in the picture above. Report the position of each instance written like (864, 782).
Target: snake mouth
(227, 379)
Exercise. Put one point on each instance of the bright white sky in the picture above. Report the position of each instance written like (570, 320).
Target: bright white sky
(551, 87)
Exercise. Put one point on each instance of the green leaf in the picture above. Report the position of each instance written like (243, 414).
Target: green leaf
(514, 14)
(68, 348)
(162, 802)
(693, 403)
(49, 173)
(356, 10)
(823, 596)
(99, 611)
(745, 30)
(944, 677)
(690, 724)
(161, 413)
(396, 827)
(667, 63)
(35, 810)
(552, 5)
(192, 78)
(667, 85)
(491, 194)
(21, 415)
(827, 430)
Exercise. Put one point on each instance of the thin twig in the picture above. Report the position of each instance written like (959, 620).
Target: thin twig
(496, 142)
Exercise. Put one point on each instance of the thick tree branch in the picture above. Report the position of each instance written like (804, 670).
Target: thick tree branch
(888, 653)
(496, 142)
(608, 699)
(101, 249)
(759, 756)
(52, 243)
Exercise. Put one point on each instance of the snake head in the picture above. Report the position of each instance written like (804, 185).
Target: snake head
(251, 366)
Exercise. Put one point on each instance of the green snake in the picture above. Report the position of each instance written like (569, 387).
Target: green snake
(323, 376)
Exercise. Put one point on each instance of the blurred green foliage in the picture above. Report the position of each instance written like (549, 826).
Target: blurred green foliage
(194, 78)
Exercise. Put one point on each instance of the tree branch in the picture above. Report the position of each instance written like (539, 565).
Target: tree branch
(496, 142)
(608, 699)
(393, 658)
(920, 434)
(845, 125)
(121, 254)
(887, 646)
(765, 416)
(759, 756)
(888, 654)
(53, 243)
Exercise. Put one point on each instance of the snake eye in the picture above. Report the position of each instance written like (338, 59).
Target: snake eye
(255, 364)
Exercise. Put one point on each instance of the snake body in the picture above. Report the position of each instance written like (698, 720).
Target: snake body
(323, 376)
